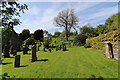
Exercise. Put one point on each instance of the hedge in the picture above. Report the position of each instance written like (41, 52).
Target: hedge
(98, 42)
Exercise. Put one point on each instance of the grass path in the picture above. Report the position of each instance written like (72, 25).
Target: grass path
(77, 62)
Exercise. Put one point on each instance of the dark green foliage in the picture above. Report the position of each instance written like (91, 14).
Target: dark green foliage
(25, 34)
(101, 29)
(38, 35)
(29, 41)
(89, 31)
(47, 43)
(87, 45)
(57, 34)
(80, 40)
(10, 10)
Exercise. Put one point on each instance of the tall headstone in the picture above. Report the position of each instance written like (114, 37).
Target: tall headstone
(25, 49)
(17, 61)
(60, 47)
(39, 47)
(33, 56)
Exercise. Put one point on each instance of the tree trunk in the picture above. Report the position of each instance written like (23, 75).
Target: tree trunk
(66, 33)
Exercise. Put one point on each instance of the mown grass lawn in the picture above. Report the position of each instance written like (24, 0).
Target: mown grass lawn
(77, 62)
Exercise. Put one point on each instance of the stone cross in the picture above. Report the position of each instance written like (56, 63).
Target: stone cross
(33, 56)
(17, 61)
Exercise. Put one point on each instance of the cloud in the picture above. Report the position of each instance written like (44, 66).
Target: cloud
(104, 12)
(68, 0)
(34, 10)
(42, 18)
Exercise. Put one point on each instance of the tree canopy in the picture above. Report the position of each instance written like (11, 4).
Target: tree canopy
(66, 19)
(10, 10)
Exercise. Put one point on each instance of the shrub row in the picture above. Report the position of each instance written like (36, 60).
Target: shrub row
(98, 42)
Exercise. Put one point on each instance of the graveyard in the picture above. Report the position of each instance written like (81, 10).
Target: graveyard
(77, 62)
(46, 42)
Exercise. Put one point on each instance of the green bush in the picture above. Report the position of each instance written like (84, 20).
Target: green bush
(87, 45)
(79, 40)
(98, 42)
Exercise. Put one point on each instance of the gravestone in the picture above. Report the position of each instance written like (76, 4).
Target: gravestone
(57, 48)
(6, 51)
(11, 50)
(69, 44)
(64, 47)
(52, 46)
(33, 56)
(38, 47)
(25, 49)
(60, 47)
(49, 50)
(44, 49)
(17, 61)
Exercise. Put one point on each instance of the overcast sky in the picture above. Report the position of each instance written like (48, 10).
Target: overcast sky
(41, 14)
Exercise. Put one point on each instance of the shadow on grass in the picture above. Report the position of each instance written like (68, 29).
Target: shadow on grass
(100, 78)
(95, 78)
(6, 63)
(22, 66)
(43, 60)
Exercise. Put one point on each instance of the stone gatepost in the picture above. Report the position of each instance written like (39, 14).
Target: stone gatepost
(17, 61)
(107, 54)
(33, 56)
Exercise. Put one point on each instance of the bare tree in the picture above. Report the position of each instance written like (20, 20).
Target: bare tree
(66, 19)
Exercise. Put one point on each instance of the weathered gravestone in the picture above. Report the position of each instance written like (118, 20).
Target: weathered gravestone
(49, 50)
(60, 47)
(17, 61)
(38, 47)
(25, 49)
(33, 56)
(57, 48)
(6, 51)
(64, 47)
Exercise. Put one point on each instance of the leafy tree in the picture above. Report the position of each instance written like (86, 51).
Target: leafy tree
(45, 32)
(89, 31)
(10, 10)
(66, 19)
(80, 40)
(25, 34)
(112, 23)
(38, 35)
(101, 29)
(57, 34)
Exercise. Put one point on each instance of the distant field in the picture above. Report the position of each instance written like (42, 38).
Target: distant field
(77, 62)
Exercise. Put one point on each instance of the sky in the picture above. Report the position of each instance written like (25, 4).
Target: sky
(40, 15)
